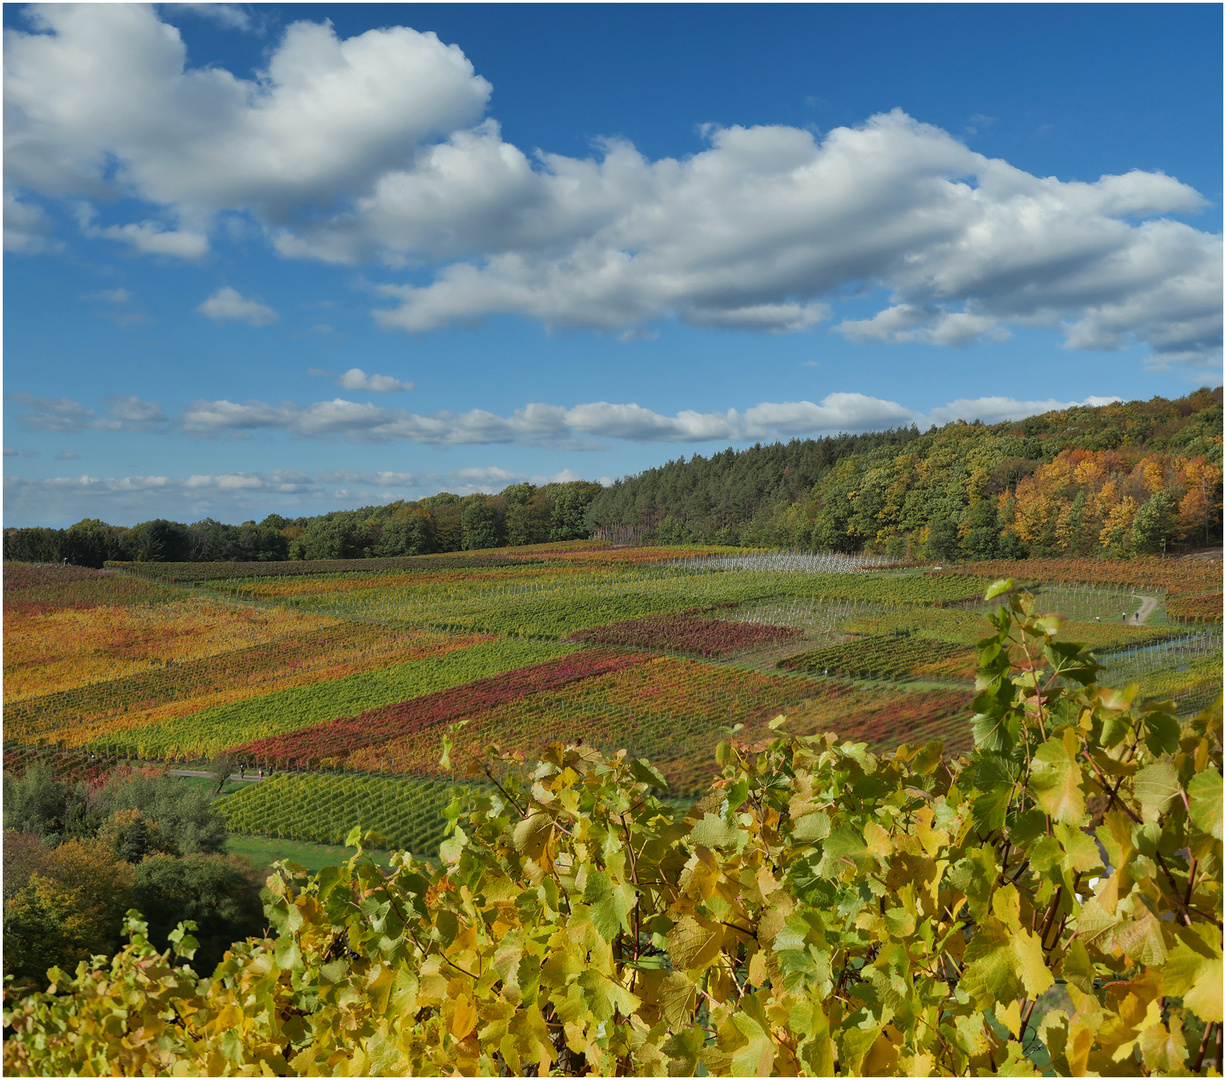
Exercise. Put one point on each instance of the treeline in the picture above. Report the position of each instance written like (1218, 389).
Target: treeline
(520, 514)
(1123, 479)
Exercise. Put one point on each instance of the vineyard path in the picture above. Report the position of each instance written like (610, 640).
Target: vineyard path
(250, 778)
(1148, 605)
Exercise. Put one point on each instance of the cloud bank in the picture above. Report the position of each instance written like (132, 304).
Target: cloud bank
(578, 427)
(60, 501)
(376, 150)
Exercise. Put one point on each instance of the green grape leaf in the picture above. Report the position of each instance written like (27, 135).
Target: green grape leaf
(610, 902)
(757, 1056)
(645, 773)
(1000, 585)
(714, 832)
(1161, 732)
(1205, 803)
(1155, 786)
(1055, 778)
(996, 729)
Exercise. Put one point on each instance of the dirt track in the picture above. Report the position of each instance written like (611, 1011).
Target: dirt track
(1148, 605)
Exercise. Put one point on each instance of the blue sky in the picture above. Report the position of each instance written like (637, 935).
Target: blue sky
(296, 258)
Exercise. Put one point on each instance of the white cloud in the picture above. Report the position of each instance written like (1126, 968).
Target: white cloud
(375, 149)
(52, 414)
(227, 16)
(64, 415)
(226, 305)
(325, 116)
(67, 455)
(111, 296)
(130, 413)
(148, 237)
(357, 379)
(992, 410)
(10, 451)
(536, 424)
(26, 227)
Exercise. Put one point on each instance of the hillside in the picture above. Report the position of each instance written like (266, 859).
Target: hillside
(1121, 479)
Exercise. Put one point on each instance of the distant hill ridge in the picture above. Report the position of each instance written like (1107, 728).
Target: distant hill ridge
(1118, 479)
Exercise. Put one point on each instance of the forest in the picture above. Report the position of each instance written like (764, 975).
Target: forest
(1125, 479)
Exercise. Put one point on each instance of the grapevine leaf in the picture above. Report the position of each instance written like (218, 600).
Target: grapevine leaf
(1055, 778)
(1164, 1051)
(714, 832)
(1205, 803)
(678, 999)
(1155, 786)
(815, 826)
(606, 996)
(1205, 996)
(694, 942)
(1000, 585)
(610, 903)
(1141, 938)
(843, 848)
(1161, 732)
(645, 773)
(757, 1056)
(995, 730)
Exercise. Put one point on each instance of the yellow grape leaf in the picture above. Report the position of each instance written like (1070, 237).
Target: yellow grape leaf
(678, 999)
(1141, 939)
(694, 942)
(1205, 996)
(1164, 1052)
(464, 1018)
(1011, 1016)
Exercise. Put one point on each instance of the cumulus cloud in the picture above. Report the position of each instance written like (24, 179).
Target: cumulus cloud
(375, 149)
(130, 413)
(357, 379)
(227, 305)
(993, 410)
(578, 427)
(61, 414)
(66, 416)
(324, 116)
(146, 237)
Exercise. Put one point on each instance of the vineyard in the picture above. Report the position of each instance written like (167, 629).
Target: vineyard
(403, 814)
(402, 671)
(888, 657)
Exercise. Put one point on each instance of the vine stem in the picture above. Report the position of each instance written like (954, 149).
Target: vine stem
(1204, 1045)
